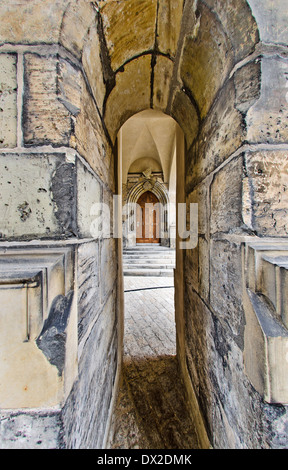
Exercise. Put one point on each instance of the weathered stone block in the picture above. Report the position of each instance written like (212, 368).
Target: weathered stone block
(162, 80)
(46, 196)
(226, 198)
(222, 133)
(89, 195)
(86, 411)
(130, 95)
(53, 336)
(199, 257)
(45, 119)
(267, 119)
(215, 364)
(200, 196)
(63, 191)
(30, 430)
(271, 20)
(226, 285)
(108, 263)
(91, 141)
(41, 20)
(247, 82)
(206, 60)
(239, 24)
(126, 43)
(192, 266)
(77, 19)
(168, 26)
(184, 112)
(204, 268)
(110, 211)
(91, 59)
(69, 86)
(27, 208)
(197, 263)
(268, 180)
(88, 282)
(197, 325)
(8, 100)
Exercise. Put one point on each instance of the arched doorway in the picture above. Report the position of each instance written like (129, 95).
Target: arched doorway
(223, 82)
(147, 145)
(148, 219)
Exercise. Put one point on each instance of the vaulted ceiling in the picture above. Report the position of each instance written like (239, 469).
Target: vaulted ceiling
(148, 135)
(168, 55)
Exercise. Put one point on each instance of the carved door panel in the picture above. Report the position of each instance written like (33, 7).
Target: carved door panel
(148, 219)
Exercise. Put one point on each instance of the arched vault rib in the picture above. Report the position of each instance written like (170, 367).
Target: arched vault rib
(186, 81)
(188, 76)
(157, 188)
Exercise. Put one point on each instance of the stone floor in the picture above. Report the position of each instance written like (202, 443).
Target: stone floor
(151, 411)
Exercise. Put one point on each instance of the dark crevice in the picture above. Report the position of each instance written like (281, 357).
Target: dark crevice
(190, 95)
(62, 22)
(153, 63)
(154, 58)
(108, 74)
(183, 30)
(141, 54)
(188, 92)
(149, 288)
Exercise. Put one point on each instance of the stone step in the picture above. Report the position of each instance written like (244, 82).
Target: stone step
(148, 250)
(147, 267)
(155, 250)
(149, 256)
(149, 260)
(149, 272)
(155, 261)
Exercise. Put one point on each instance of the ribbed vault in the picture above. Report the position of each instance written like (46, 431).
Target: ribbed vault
(138, 54)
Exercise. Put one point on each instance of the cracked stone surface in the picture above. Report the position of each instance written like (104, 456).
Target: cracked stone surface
(151, 411)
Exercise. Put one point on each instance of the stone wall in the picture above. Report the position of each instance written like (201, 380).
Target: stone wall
(56, 162)
(71, 75)
(236, 172)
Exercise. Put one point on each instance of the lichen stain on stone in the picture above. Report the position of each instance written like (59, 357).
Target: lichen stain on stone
(24, 210)
(52, 339)
(63, 192)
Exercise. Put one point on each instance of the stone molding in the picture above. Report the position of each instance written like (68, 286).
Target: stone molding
(36, 295)
(266, 310)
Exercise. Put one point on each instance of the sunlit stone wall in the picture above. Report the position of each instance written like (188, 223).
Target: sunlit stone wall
(71, 74)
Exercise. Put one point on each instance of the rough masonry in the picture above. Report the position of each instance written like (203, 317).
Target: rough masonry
(71, 74)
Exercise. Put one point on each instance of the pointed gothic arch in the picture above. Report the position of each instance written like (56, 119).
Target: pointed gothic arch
(130, 210)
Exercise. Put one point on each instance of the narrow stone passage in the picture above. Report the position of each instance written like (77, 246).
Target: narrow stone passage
(151, 411)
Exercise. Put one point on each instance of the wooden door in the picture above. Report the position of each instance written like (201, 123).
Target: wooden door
(148, 219)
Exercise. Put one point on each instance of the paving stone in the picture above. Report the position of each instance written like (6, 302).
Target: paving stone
(151, 410)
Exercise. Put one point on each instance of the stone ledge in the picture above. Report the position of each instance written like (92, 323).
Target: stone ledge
(266, 333)
(36, 295)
